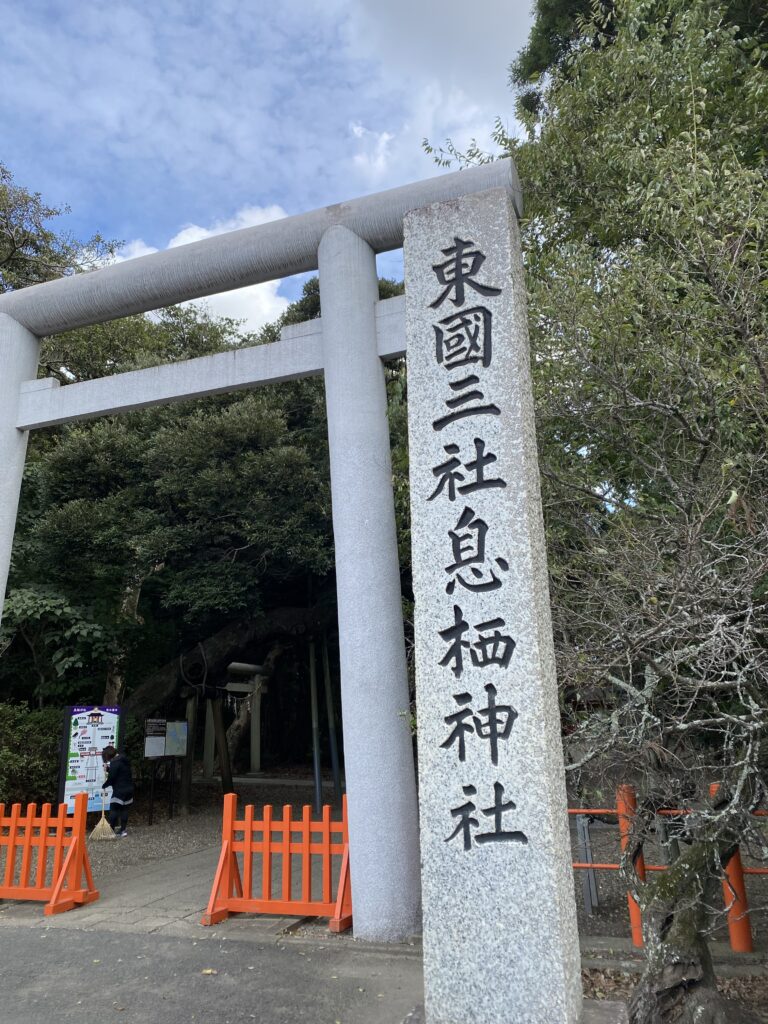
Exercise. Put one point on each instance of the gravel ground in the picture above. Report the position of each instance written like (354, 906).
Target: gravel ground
(182, 833)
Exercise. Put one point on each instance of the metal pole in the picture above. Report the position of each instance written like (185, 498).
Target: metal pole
(172, 789)
(258, 684)
(210, 742)
(378, 752)
(185, 794)
(331, 714)
(315, 728)
(588, 880)
(152, 776)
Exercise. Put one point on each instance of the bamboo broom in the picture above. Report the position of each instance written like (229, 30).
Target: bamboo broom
(103, 829)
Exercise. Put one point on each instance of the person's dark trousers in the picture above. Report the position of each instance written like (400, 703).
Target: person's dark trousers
(118, 817)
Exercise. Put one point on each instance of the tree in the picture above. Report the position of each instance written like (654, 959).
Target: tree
(644, 171)
(30, 251)
(166, 522)
(561, 26)
(645, 176)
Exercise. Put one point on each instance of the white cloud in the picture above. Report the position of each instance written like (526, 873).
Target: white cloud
(255, 305)
(246, 217)
(151, 116)
(134, 249)
(374, 160)
(448, 69)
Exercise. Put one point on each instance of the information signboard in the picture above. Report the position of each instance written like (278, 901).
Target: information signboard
(88, 730)
(164, 739)
(176, 739)
(154, 737)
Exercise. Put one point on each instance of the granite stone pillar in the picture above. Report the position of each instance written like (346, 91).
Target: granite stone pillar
(19, 354)
(500, 936)
(381, 787)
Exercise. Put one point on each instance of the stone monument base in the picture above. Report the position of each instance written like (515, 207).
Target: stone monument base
(594, 1012)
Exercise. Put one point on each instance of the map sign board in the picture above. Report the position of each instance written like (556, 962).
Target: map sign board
(164, 739)
(88, 730)
(176, 739)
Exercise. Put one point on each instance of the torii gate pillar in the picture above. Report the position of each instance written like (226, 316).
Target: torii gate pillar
(378, 752)
(19, 354)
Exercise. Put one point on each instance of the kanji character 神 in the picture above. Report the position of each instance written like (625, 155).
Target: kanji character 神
(492, 723)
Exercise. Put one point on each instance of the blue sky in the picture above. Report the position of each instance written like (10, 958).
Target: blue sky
(163, 121)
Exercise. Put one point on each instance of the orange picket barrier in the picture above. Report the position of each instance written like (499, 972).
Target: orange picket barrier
(63, 881)
(626, 808)
(735, 897)
(734, 892)
(286, 838)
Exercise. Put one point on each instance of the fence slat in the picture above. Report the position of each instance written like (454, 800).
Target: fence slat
(286, 850)
(306, 857)
(326, 854)
(266, 855)
(26, 850)
(10, 858)
(42, 846)
(248, 853)
(58, 840)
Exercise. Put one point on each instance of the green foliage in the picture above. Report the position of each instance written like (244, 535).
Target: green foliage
(30, 745)
(554, 31)
(58, 636)
(30, 251)
(647, 267)
(139, 534)
(562, 28)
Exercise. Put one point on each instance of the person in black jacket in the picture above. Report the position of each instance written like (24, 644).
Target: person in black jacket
(120, 778)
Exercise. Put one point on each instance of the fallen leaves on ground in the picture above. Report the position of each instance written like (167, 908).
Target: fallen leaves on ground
(613, 984)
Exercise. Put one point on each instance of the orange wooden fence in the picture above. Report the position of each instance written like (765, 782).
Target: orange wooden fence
(43, 856)
(298, 843)
(734, 892)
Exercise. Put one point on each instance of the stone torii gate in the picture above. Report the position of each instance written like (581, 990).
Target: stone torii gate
(500, 940)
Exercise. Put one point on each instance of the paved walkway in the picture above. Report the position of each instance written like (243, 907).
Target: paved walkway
(139, 955)
(166, 897)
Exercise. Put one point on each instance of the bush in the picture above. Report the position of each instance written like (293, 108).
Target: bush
(30, 746)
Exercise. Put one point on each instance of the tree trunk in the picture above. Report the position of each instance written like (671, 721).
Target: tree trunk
(114, 687)
(678, 983)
